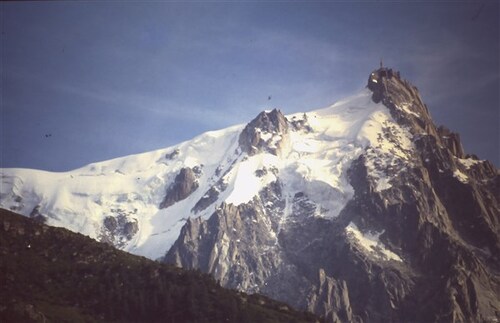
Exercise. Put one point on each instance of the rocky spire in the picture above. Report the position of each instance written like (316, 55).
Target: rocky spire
(267, 132)
(428, 240)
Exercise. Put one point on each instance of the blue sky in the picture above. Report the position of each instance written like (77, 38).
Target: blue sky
(109, 79)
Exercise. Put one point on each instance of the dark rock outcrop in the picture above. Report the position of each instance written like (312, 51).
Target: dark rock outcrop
(442, 213)
(267, 132)
(184, 184)
(118, 228)
(173, 154)
(452, 141)
(210, 196)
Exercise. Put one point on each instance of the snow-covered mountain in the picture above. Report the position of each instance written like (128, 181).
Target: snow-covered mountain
(361, 211)
(127, 201)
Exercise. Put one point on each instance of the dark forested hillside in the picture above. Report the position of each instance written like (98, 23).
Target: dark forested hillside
(52, 274)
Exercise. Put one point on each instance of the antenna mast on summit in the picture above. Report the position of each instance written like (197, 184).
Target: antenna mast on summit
(381, 65)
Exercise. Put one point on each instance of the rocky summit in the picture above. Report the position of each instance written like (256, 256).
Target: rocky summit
(364, 211)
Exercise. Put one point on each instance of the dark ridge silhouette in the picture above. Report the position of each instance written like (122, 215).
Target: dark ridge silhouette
(53, 275)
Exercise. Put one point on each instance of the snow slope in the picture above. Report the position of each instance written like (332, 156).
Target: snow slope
(314, 162)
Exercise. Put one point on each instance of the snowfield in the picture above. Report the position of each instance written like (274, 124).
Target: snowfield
(314, 162)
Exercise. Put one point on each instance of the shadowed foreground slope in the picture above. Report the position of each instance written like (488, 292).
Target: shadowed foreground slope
(52, 274)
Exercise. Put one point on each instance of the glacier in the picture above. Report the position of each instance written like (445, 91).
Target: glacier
(313, 162)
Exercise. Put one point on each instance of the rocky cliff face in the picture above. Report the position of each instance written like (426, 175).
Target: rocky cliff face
(363, 211)
(267, 132)
(418, 240)
(185, 183)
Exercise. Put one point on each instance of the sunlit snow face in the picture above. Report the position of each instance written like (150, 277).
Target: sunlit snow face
(314, 164)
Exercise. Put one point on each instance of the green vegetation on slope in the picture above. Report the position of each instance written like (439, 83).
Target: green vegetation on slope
(53, 275)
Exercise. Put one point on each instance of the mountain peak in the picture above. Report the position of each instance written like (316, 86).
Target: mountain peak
(267, 132)
(360, 211)
(377, 80)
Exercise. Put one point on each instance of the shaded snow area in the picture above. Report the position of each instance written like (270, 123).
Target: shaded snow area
(369, 243)
(119, 200)
(389, 150)
(318, 160)
(132, 186)
(246, 181)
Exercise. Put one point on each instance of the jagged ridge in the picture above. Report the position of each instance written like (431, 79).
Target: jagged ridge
(402, 243)
(364, 211)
